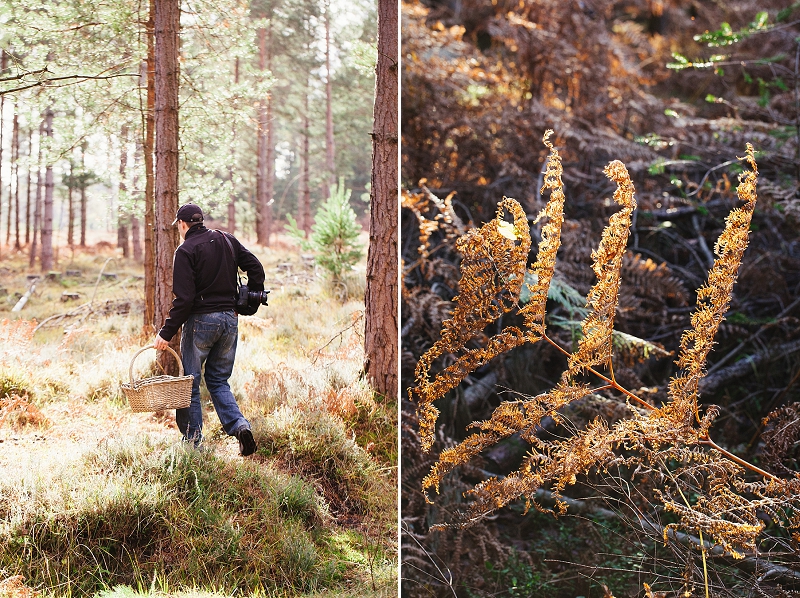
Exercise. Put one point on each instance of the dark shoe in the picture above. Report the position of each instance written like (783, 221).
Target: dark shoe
(247, 444)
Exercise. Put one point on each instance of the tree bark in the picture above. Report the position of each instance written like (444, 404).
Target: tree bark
(330, 149)
(232, 200)
(270, 171)
(123, 214)
(304, 191)
(28, 189)
(15, 181)
(37, 210)
(83, 181)
(71, 206)
(167, 25)
(3, 62)
(10, 183)
(263, 167)
(136, 234)
(380, 334)
(47, 224)
(150, 324)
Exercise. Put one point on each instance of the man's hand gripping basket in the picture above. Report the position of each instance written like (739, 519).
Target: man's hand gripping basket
(159, 392)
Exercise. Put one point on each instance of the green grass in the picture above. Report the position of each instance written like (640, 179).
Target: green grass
(135, 510)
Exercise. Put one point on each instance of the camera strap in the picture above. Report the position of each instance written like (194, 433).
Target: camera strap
(230, 248)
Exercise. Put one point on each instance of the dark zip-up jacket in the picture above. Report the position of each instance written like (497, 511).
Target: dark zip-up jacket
(204, 276)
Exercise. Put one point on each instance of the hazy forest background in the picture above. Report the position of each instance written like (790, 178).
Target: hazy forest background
(674, 89)
(264, 113)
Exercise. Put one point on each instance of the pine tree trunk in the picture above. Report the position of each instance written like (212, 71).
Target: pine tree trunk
(3, 61)
(136, 243)
(47, 221)
(304, 209)
(380, 334)
(167, 24)
(136, 234)
(37, 209)
(123, 214)
(262, 199)
(15, 166)
(83, 195)
(11, 180)
(232, 201)
(270, 171)
(28, 190)
(150, 323)
(71, 206)
(330, 149)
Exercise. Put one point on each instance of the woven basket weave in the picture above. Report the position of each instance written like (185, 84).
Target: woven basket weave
(159, 392)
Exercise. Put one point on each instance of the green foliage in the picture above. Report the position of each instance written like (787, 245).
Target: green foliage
(561, 292)
(652, 140)
(364, 57)
(14, 381)
(518, 578)
(785, 13)
(334, 234)
(725, 36)
(682, 62)
(657, 167)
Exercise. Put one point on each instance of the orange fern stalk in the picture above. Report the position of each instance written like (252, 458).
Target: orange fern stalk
(713, 299)
(492, 274)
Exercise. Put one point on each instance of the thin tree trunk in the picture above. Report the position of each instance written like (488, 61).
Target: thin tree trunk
(83, 194)
(14, 181)
(47, 224)
(28, 190)
(11, 182)
(380, 334)
(123, 214)
(3, 62)
(262, 217)
(270, 170)
(71, 205)
(330, 149)
(167, 24)
(37, 210)
(136, 234)
(149, 185)
(304, 209)
(232, 201)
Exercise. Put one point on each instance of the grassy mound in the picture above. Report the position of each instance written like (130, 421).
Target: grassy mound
(137, 511)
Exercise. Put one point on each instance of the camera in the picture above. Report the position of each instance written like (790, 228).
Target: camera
(248, 302)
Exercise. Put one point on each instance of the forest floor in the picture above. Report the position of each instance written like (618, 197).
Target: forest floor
(98, 500)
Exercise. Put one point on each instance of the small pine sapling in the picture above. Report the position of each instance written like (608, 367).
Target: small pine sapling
(334, 234)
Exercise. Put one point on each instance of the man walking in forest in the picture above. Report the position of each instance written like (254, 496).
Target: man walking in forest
(205, 285)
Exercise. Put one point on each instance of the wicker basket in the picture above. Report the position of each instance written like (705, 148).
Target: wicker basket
(159, 392)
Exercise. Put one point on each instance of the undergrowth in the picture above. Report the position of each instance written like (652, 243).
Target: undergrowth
(133, 510)
(653, 460)
(95, 499)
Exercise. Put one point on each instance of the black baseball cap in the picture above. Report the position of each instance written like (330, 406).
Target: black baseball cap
(189, 213)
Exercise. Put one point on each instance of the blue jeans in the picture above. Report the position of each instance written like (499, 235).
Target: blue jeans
(210, 339)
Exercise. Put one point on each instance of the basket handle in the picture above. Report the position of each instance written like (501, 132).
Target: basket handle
(170, 349)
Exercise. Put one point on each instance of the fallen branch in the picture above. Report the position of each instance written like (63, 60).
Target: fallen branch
(751, 338)
(24, 299)
(480, 390)
(746, 366)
